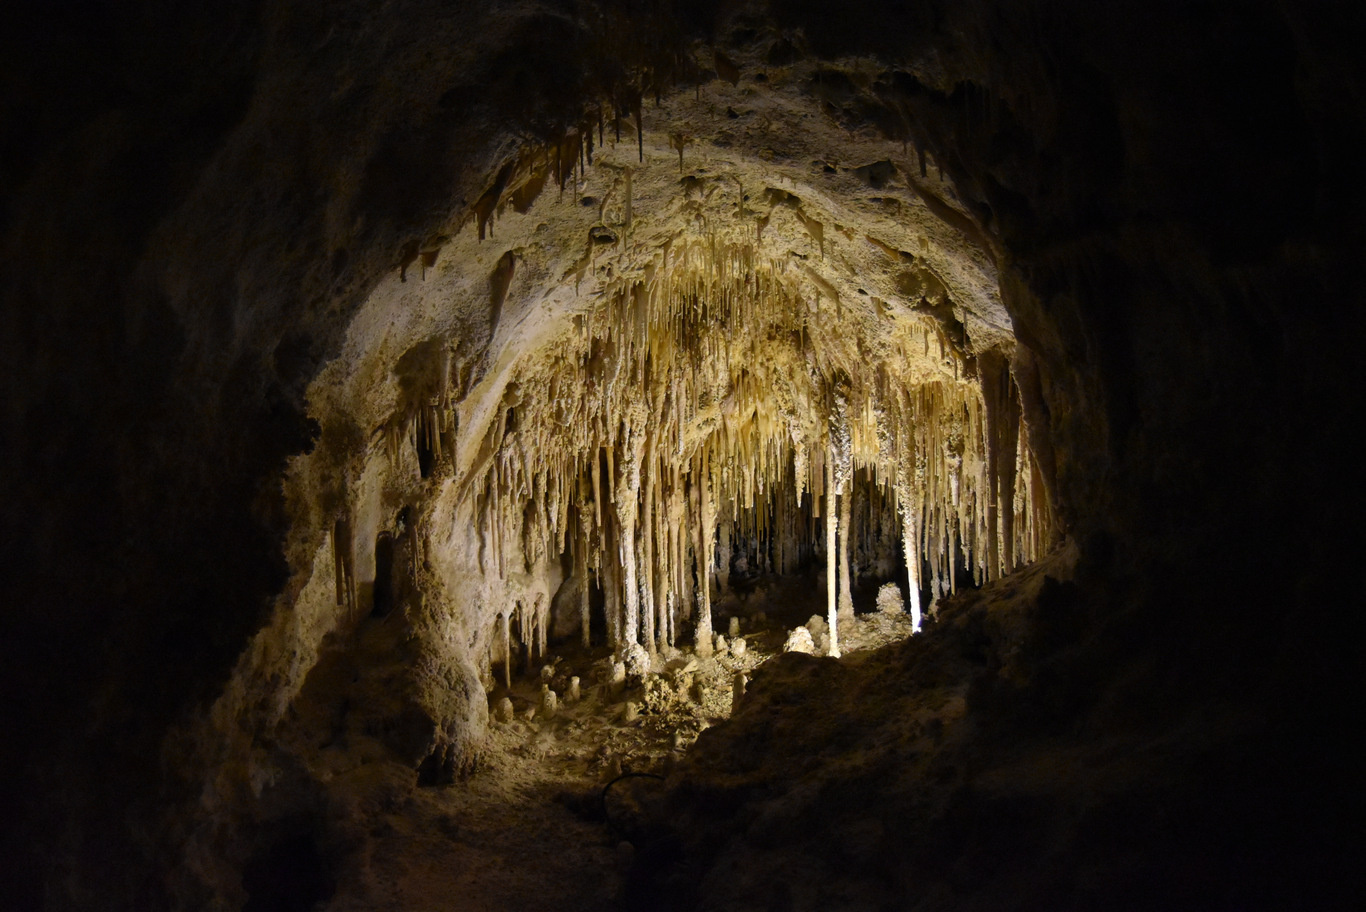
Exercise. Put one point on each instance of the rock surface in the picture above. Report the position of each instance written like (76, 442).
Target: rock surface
(269, 272)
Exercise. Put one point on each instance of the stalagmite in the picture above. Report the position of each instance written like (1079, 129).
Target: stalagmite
(550, 703)
(799, 640)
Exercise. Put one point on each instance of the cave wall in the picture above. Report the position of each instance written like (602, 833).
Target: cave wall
(193, 213)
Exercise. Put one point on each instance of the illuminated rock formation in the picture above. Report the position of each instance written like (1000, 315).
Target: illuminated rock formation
(356, 354)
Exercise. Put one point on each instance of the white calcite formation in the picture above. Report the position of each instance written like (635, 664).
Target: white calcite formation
(713, 381)
(889, 598)
(799, 640)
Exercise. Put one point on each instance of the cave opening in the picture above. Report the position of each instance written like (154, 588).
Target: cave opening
(654, 413)
(768, 454)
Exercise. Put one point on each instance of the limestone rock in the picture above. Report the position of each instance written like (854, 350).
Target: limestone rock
(799, 640)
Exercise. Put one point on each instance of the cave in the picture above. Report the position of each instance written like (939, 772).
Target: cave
(642, 454)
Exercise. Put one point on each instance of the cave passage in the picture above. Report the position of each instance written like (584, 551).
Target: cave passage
(711, 403)
(691, 357)
(887, 422)
(656, 412)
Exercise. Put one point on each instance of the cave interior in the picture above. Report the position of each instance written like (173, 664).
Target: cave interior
(638, 454)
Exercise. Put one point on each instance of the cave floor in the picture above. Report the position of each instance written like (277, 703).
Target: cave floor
(534, 820)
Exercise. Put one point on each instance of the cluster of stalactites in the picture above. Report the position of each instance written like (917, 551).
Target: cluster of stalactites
(426, 418)
(707, 394)
(523, 629)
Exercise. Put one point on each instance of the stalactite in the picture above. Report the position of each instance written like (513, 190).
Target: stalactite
(542, 625)
(507, 650)
(611, 589)
(841, 458)
(344, 560)
(648, 560)
(687, 398)
(627, 501)
(723, 569)
(706, 530)
(909, 541)
(581, 569)
(831, 521)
